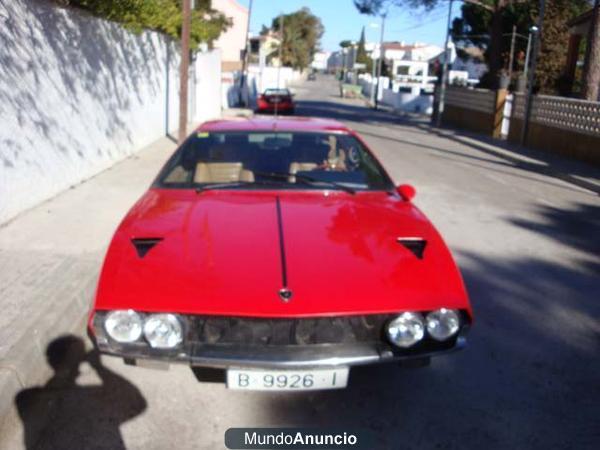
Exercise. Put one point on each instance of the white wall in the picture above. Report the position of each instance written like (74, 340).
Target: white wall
(406, 102)
(207, 74)
(77, 94)
(272, 77)
(368, 85)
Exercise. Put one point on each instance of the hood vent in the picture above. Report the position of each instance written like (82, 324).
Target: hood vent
(144, 245)
(415, 245)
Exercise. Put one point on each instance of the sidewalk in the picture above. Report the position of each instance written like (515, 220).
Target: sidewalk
(50, 257)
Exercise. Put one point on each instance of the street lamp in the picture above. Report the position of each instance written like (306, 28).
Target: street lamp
(372, 95)
(354, 52)
(379, 62)
(534, 33)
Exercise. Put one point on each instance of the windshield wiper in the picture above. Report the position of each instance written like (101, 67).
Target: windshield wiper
(233, 184)
(307, 179)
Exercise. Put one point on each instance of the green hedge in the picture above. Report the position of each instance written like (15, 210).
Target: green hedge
(163, 16)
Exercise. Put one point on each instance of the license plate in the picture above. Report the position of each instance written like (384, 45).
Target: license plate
(287, 380)
(275, 100)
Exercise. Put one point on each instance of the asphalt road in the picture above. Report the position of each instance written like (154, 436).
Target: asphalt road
(528, 245)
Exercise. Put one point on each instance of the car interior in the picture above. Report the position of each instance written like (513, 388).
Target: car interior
(239, 157)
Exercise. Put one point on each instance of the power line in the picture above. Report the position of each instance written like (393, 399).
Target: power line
(421, 25)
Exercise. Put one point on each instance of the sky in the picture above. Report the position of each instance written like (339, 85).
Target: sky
(343, 21)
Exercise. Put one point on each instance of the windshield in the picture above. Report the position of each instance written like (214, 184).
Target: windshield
(273, 160)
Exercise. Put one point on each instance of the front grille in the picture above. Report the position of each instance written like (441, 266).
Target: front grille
(280, 332)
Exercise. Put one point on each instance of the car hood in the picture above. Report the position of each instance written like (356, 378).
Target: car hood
(231, 252)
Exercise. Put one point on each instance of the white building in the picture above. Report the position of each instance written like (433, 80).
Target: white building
(410, 63)
(320, 61)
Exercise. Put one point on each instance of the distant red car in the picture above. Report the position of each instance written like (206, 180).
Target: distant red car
(280, 101)
(280, 251)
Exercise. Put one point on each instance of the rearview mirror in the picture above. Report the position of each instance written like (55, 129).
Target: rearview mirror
(406, 191)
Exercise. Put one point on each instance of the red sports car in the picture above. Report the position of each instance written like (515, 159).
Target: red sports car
(279, 101)
(279, 253)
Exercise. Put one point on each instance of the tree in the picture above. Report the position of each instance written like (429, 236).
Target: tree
(554, 39)
(361, 51)
(302, 31)
(164, 16)
(475, 27)
(592, 68)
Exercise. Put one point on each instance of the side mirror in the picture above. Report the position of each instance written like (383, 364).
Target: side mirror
(406, 191)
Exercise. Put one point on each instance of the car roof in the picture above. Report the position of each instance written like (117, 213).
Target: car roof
(273, 124)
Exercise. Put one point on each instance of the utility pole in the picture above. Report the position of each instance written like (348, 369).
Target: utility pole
(373, 81)
(380, 61)
(512, 52)
(531, 79)
(354, 71)
(244, 77)
(372, 93)
(184, 69)
(280, 57)
(440, 111)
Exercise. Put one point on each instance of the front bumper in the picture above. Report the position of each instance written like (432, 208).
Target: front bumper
(197, 354)
(279, 358)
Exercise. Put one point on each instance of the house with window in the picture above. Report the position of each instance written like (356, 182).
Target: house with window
(264, 49)
(320, 60)
(410, 62)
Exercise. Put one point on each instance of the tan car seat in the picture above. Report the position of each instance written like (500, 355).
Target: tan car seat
(296, 167)
(222, 172)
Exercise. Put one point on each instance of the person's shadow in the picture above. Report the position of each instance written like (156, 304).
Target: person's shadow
(62, 414)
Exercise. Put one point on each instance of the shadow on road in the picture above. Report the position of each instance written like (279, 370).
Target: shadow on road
(64, 414)
(577, 227)
(526, 380)
(528, 377)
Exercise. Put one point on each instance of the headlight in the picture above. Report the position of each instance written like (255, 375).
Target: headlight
(123, 326)
(163, 331)
(442, 324)
(406, 330)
